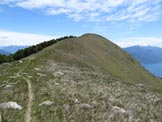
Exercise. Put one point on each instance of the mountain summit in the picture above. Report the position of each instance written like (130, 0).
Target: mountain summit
(81, 79)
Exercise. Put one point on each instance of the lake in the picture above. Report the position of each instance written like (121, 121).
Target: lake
(155, 69)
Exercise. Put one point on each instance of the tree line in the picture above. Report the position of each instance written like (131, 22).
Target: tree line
(22, 53)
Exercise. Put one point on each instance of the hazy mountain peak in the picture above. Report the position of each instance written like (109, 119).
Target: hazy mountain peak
(146, 54)
(13, 48)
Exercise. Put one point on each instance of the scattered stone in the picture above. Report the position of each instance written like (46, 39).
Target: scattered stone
(12, 105)
(56, 74)
(140, 85)
(8, 86)
(42, 75)
(37, 69)
(24, 73)
(76, 101)
(30, 76)
(85, 106)
(117, 109)
(46, 103)
(20, 61)
(57, 84)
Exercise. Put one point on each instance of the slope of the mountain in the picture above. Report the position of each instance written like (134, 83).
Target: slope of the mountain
(80, 79)
(4, 52)
(146, 54)
(13, 49)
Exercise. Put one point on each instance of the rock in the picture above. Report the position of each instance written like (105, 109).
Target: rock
(117, 109)
(140, 85)
(85, 106)
(37, 69)
(12, 105)
(8, 86)
(42, 75)
(30, 76)
(24, 73)
(20, 61)
(76, 101)
(46, 103)
(57, 84)
(56, 74)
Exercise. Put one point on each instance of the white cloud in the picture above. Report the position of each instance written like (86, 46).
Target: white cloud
(16, 38)
(56, 12)
(127, 42)
(76, 17)
(36, 4)
(9, 1)
(140, 10)
(106, 10)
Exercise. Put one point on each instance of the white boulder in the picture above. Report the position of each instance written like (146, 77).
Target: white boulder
(12, 105)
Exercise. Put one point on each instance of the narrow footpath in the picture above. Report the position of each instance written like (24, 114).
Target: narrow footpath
(28, 116)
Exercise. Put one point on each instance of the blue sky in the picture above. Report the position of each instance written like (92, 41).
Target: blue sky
(125, 22)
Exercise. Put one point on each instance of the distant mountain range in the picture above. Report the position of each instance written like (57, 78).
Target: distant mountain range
(10, 49)
(146, 54)
(4, 52)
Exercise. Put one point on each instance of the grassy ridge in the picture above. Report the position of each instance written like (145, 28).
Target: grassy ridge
(86, 78)
(98, 53)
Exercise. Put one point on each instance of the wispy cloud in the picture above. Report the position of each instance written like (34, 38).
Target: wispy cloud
(140, 10)
(94, 10)
(16, 38)
(142, 41)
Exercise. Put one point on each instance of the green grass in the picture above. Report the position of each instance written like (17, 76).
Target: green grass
(95, 72)
(99, 54)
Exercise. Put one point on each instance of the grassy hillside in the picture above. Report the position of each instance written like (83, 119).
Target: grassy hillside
(99, 54)
(84, 79)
